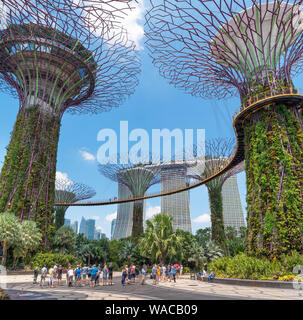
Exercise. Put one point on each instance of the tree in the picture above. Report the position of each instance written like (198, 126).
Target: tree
(128, 251)
(212, 251)
(65, 240)
(196, 253)
(10, 232)
(159, 241)
(203, 235)
(29, 240)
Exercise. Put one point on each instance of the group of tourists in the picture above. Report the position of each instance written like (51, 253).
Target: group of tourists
(91, 275)
(79, 276)
(158, 273)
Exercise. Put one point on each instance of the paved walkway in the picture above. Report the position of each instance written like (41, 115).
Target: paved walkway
(21, 287)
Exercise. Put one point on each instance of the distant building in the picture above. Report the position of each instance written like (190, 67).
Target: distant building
(174, 176)
(112, 228)
(74, 226)
(83, 226)
(102, 236)
(90, 229)
(67, 222)
(97, 234)
(232, 209)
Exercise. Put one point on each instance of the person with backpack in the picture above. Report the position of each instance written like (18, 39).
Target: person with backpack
(36, 273)
(93, 275)
(43, 275)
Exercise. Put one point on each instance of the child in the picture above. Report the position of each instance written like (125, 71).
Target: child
(211, 276)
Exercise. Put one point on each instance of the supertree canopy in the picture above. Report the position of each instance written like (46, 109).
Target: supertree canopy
(217, 49)
(217, 154)
(69, 192)
(55, 66)
(138, 178)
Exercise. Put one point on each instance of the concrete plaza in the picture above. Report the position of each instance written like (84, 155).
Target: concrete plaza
(21, 287)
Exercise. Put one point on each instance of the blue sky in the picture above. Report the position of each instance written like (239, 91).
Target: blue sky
(155, 105)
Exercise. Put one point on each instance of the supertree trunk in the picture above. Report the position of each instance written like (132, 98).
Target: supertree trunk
(60, 216)
(27, 179)
(137, 228)
(274, 157)
(216, 216)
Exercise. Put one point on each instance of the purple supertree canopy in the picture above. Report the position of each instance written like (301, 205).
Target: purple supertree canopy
(63, 57)
(218, 48)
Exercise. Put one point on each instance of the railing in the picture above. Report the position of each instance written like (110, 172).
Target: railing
(265, 95)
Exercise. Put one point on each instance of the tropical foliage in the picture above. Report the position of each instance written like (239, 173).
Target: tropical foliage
(159, 241)
(65, 240)
(10, 233)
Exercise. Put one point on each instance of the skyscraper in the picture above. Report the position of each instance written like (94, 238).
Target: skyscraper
(74, 226)
(174, 176)
(83, 226)
(97, 234)
(112, 229)
(67, 222)
(232, 209)
(90, 228)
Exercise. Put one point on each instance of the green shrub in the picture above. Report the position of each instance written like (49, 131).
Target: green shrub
(292, 260)
(50, 258)
(219, 265)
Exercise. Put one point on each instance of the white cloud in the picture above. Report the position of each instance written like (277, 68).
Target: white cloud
(87, 156)
(204, 218)
(133, 23)
(62, 180)
(151, 211)
(95, 218)
(111, 216)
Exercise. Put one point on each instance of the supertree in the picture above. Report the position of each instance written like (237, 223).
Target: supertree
(67, 191)
(55, 63)
(252, 48)
(138, 178)
(218, 153)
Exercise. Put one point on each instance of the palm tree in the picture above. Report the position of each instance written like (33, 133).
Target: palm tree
(212, 251)
(65, 239)
(127, 251)
(159, 241)
(10, 232)
(197, 253)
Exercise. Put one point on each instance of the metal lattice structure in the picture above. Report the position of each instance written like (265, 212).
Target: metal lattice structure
(218, 153)
(219, 48)
(69, 192)
(138, 178)
(252, 48)
(57, 59)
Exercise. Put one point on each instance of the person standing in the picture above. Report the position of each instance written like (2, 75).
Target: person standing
(154, 273)
(43, 275)
(70, 275)
(60, 272)
(174, 272)
(36, 273)
(164, 273)
(124, 275)
(104, 277)
(84, 274)
(110, 274)
(93, 274)
(78, 276)
(143, 273)
(51, 277)
(55, 271)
